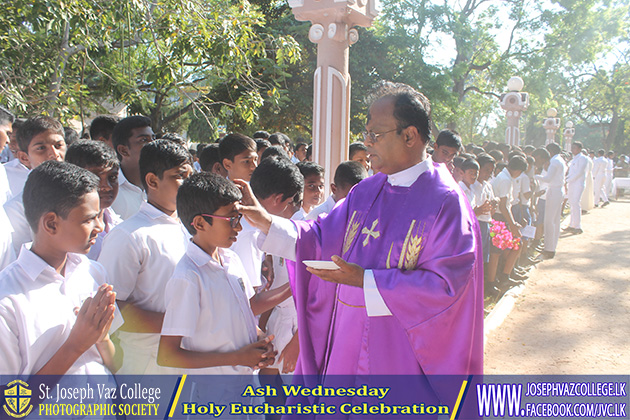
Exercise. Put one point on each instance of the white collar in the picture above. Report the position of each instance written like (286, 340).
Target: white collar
(122, 180)
(407, 177)
(33, 265)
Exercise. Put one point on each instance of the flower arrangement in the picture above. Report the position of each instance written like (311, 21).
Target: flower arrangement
(502, 237)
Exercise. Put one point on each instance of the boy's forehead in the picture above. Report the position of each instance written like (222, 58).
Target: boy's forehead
(47, 136)
(246, 154)
(228, 208)
(314, 178)
(101, 169)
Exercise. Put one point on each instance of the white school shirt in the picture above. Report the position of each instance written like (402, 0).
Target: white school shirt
(282, 238)
(468, 192)
(17, 174)
(110, 221)
(610, 167)
(129, 199)
(139, 256)
(206, 304)
(578, 167)
(37, 312)
(599, 167)
(7, 253)
(246, 247)
(525, 188)
(323, 208)
(516, 190)
(22, 234)
(502, 187)
(5, 189)
(554, 178)
(483, 192)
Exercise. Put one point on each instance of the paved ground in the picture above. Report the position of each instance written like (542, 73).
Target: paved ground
(574, 315)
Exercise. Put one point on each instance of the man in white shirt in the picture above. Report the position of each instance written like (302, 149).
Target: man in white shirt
(554, 179)
(576, 181)
(129, 136)
(610, 169)
(600, 165)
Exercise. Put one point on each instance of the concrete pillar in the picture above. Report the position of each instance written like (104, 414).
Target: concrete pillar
(551, 124)
(568, 133)
(515, 103)
(332, 30)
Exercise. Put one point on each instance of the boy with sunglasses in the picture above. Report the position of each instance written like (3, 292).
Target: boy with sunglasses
(141, 253)
(209, 327)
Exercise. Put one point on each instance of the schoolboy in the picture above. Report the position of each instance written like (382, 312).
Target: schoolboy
(470, 171)
(100, 159)
(347, 175)
(128, 138)
(209, 327)
(210, 161)
(6, 128)
(140, 254)
(40, 139)
(485, 196)
(358, 153)
(238, 156)
(313, 188)
(55, 307)
(102, 128)
(447, 145)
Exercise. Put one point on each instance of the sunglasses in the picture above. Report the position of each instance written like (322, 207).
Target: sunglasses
(234, 221)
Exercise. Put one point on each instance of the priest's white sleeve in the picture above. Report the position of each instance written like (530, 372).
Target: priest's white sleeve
(374, 303)
(281, 239)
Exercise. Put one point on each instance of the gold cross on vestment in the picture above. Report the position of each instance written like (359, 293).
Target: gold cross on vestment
(371, 233)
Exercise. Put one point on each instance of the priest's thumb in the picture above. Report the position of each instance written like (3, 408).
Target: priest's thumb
(339, 261)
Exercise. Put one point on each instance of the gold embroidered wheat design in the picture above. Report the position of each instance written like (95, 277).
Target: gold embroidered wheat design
(413, 252)
(351, 232)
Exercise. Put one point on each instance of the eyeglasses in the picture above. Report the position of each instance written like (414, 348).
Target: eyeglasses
(234, 221)
(373, 137)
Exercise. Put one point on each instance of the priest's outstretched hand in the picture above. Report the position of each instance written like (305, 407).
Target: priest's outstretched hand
(253, 211)
(348, 273)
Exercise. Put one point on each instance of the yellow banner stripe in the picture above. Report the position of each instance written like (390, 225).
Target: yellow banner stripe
(179, 391)
(459, 399)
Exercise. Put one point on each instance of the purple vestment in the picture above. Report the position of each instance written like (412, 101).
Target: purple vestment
(423, 245)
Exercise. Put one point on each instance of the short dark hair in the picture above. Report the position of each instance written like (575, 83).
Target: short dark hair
(484, 159)
(309, 152)
(356, 147)
(122, 130)
(276, 175)
(578, 144)
(161, 155)
(517, 163)
(411, 108)
(541, 153)
(279, 138)
(458, 161)
(261, 134)
(70, 135)
(57, 187)
(601, 152)
(234, 144)
(35, 126)
(349, 173)
(261, 144)
(102, 126)
(6, 116)
(470, 163)
(449, 138)
(209, 156)
(88, 153)
(310, 168)
(204, 192)
(273, 151)
(496, 154)
(300, 144)
(174, 137)
(553, 148)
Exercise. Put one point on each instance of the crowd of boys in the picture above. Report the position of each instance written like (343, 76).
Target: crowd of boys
(127, 253)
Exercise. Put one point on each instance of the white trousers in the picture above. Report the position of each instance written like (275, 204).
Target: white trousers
(608, 186)
(600, 189)
(553, 212)
(574, 193)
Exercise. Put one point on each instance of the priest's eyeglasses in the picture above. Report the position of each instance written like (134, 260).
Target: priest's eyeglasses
(234, 221)
(373, 137)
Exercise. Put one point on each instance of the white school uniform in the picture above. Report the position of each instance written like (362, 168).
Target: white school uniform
(129, 199)
(282, 322)
(207, 305)
(37, 312)
(22, 234)
(554, 180)
(17, 174)
(469, 193)
(7, 253)
(139, 256)
(5, 189)
(576, 181)
(323, 208)
(483, 192)
(600, 165)
(110, 221)
(588, 196)
(502, 187)
(246, 247)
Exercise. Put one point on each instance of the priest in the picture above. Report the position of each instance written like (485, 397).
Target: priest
(408, 295)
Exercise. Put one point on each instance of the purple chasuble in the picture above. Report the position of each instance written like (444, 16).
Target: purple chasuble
(423, 245)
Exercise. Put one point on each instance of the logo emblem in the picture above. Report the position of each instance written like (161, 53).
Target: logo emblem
(17, 397)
